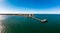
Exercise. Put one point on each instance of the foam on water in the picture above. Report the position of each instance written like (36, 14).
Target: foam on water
(2, 17)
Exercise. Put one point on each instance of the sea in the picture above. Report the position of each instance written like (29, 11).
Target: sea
(22, 24)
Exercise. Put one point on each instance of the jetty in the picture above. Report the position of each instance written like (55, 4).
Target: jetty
(28, 15)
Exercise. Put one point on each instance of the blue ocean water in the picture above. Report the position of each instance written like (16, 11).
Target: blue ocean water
(21, 24)
(34, 4)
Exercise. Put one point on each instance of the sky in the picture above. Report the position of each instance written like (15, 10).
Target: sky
(30, 6)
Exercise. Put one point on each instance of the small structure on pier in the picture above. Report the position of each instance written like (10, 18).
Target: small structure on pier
(32, 16)
(28, 15)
